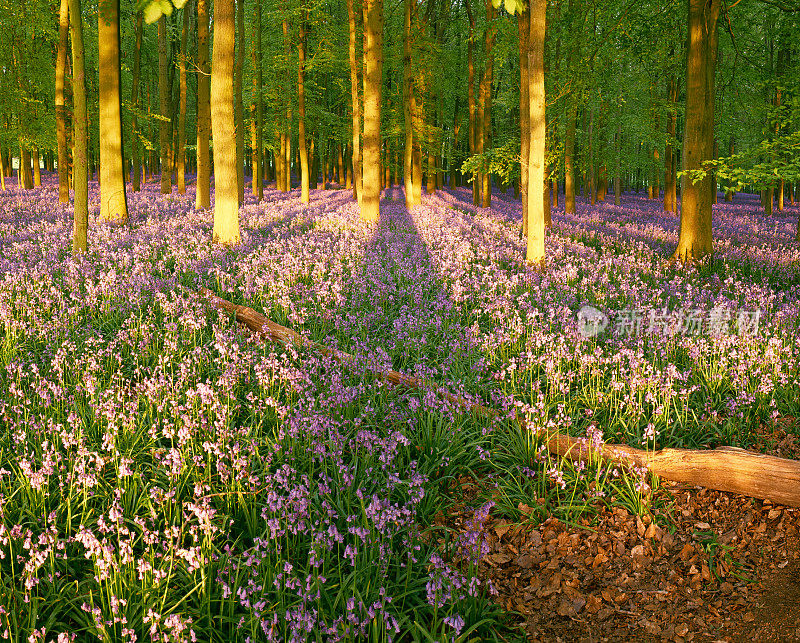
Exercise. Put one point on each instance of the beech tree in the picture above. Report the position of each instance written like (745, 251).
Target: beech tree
(226, 192)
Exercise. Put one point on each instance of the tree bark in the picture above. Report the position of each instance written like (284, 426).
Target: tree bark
(523, 27)
(535, 252)
(694, 240)
(355, 100)
(569, 156)
(223, 122)
(137, 57)
(473, 116)
(239, 107)
(60, 106)
(256, 110)
(373, 68)
(113, 201)
(486, 83)
(80, 221)
(301, 113)
(408, 126)
(203, 194)
(164, 126)
(182, 105)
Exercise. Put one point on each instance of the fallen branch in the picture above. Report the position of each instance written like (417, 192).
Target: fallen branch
(725, 468)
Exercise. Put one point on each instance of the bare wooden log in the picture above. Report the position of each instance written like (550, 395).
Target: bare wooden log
(724, 469)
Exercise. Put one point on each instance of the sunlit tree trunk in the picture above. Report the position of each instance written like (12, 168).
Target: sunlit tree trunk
(61, 110)
(223, 123)
(536, 106)
(80, 222)
(182, 107)
(473, 116)
(256, 112)
(569, 156)
(355, 100)
(113, 201)
(164, 107)
(239, 114)
(618, 155)
(694, 240)
(670, 179)
(203, 195)
(486, 92)
(373, 67)
(301, 113)
(408, 126)
(137, 57)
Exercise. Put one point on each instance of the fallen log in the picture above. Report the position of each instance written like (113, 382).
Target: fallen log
(725, 468)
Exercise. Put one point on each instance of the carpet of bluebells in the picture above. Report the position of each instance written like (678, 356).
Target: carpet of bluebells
(166, 476)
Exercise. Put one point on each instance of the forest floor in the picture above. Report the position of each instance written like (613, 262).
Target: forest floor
(706, 566)
(165, 474)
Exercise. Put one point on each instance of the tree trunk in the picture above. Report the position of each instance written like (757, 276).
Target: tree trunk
(373, 68)
(80, 222)
(670, 181)
(256, 111)
(182, 106)
(37, 170)
(473, 116)
(203, 195)
(523, 27)
(408, 127)
(301, 113)
(488, 75)
(618, 171)
(113, 202)
(694, 239)
(223, 122)
(355, 100)
(137, 57)
(61, 110)
(729, 189)
(239, 106)
(164, 106)
(569, 156)
(536, 161)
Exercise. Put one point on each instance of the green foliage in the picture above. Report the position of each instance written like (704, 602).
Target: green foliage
(154, 9)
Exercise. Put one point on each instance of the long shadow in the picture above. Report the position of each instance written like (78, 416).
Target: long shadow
(399, 292)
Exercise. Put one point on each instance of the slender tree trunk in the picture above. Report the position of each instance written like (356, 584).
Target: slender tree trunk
(694, 239)
(223, 122)
(61, 111)
(256, 115)
(301, 113)
(373, 68)
(590, 187)
(356, 101)
(473, 116)
(137, 57)
(486, 83)
(408, 126)
(618, 150)
(37, 171)
(182, 108)
(535, 252)
(523, 27)
(569, 156)
(113, 201)
(80, 223)
(239, 113)
(203, 195)
(3, 171)
(670, 182)
(164, 107)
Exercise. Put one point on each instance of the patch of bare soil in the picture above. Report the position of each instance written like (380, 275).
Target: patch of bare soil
(727, 573)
